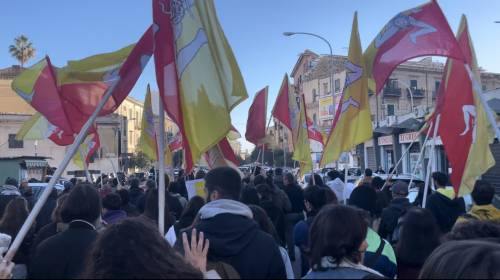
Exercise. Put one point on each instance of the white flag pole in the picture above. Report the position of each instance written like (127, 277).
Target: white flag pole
(421, 154)
(57, 174)
(161, 171)
(85, 166)
(431, 161)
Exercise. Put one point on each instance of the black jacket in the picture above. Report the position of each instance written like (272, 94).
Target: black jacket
(45, 216)
(63, 256)
(296, 196)
(135, 194)
(391, 215)
(445, 210)
(238, 241)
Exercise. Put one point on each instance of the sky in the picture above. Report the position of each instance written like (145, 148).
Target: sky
(68, 30)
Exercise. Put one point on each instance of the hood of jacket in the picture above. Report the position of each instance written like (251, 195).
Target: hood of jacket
(9, 190)
(485, 212)
(449, 192)
(229, 226)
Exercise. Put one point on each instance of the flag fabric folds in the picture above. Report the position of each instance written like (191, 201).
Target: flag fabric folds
(314, 133)
(257, 115)
(420, 31)
(286, 108)
(39, 128)
(87, 149)
(222, 155)
(464, 128)
(197, 73)
(147, 141)
(302, 152)
(352, 124)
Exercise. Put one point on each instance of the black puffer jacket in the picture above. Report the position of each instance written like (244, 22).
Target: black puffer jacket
(391, 215)
(445, 210)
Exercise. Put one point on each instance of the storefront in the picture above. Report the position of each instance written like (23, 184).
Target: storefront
(410, 160)
(386, 147)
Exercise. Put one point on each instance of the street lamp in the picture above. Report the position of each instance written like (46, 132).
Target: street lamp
(288, 34)
(411, 93)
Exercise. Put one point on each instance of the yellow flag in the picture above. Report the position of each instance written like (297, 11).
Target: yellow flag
(88, 147)
(36, 128)
(302, 152)
(211, 84)
(352, 125)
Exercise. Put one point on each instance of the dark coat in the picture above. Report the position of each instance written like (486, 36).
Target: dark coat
(296, 196)
(239, 242)
(45, 216)
(445, 210)
(391, 215)
(135, 195)
(63, 256)
(131, 210)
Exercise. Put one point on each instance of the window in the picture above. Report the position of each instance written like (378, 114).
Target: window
(130, 138)
(130, 116)
(337, 85)
(315, 119)
(136, 119)
(413, 84)
(390, 110)
(484, 87)
(393, 83)
(437, 84)
(15, 144)
(325, 88)
(314, 95)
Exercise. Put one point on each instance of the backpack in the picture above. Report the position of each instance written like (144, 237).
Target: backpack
(225, 270)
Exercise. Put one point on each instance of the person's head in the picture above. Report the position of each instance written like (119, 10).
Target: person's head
(223, 183)
(314, 199)
(318, 181)
(440, 179)
(469, 259)
(259, 179)
(11, 182)
(56, 214)
(83, 203)
(112, 202)
(151, 185)
(377, 183)
(278, 172)
(399, 190)
(419, 236)
(334, 174)
(475, 229)
(193, 207)
(364, 197)
(124, 195)
(151, 209)
(262, 219)
(337, 233)
(119, 253)
(265, 192)
(14, 216)
(483, 193)
(368, 172)
(200, 174)
(134, 183)
(288, 179)
(73, 181)
(249, 195)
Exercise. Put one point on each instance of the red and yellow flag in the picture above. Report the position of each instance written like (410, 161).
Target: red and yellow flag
(302, 151)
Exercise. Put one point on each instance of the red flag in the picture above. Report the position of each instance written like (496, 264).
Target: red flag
(281, 109)
(176, 142)
(222, 155)
(313, 132)
(257, 114)
(420, 31)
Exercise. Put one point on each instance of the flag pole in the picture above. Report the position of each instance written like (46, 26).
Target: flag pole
(161, 171)
(479, 93)
(85, 167)
(429, 130)
(284, 152)
(57, 174)
(431, 162)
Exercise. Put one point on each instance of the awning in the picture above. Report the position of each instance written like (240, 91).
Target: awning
(36, 163)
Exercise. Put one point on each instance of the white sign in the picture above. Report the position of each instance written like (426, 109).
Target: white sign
(408, 137)
(385, 140)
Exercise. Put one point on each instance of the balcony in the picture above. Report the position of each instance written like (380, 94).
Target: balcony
(392, 92)
(417, 93)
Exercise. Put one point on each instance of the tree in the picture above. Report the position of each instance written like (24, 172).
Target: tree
(271, 157)
(22, 50)
(140, 161)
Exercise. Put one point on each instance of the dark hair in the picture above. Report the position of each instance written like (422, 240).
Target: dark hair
(368, 172)
(124, 195)
(377, 183)
(364, 197)
(134, 183)
(474, 229)
(440, 178)
(56, 214)
(483, 193)
(73, 181)
(151, 185)
(318, 181)
(278, 172)
(289, 178)
(259, 179)
(337, 232)
(226, 181)
(14, 216)
(262, 219)
(134, 249)
(266, 192)
(193, 207)
(316, 197)
(200, 174)
(112, 201)
(151, 209)
(83, 203)
(249, 195)
(11, 181)
(333, 174)
(469, 259)
(419, 236)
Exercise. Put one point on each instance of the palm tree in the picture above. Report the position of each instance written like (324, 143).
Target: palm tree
(22, 50)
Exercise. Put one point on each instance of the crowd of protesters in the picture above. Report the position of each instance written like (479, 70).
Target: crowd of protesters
(261, 225)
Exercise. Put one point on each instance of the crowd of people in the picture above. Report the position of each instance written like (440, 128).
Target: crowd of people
(264, 226)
